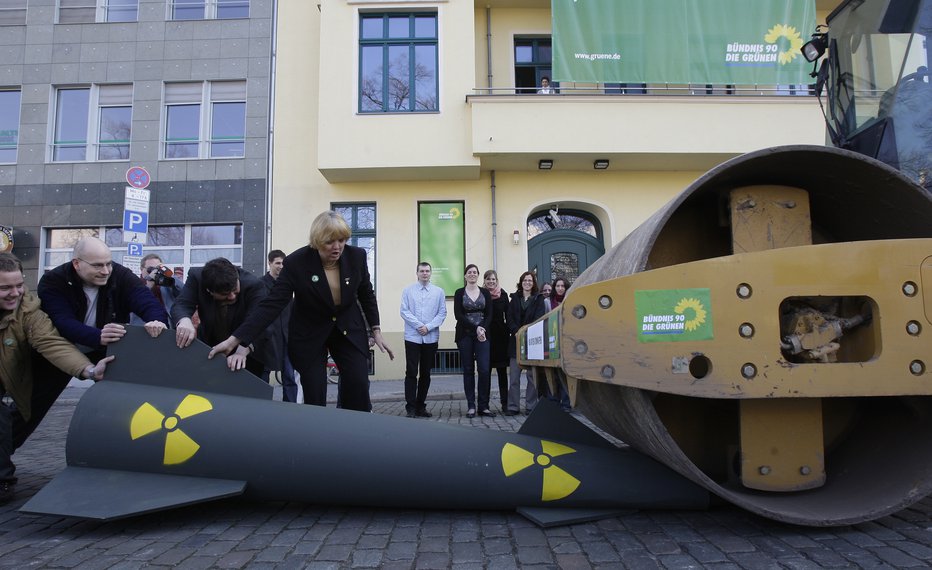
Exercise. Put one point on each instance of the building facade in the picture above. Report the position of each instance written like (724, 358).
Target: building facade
(392, 106)
(91, 88)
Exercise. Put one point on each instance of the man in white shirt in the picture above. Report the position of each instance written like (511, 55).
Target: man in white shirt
(423, 309)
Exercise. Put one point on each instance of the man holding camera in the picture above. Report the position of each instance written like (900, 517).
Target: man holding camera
(161, 281)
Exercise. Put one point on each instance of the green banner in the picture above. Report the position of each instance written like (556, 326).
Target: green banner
(442, 243)
(670, 315)
(682, 41)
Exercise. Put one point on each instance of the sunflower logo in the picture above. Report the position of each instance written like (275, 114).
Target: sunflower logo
(557, 482)
(454, 213)
(790, 34)
(178, 446)
(698, 313)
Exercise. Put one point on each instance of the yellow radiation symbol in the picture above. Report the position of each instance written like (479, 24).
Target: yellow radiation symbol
(697, 309)
(557, 482)
(178, 446)
(791, 36)
(454, 213)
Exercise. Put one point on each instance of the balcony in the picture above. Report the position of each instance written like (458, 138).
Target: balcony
(679, 129)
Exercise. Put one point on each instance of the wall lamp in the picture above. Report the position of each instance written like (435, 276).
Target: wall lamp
(545, 164)
(600, 164)
(516, 237)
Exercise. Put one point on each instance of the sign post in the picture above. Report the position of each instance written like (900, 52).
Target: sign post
(136, 214)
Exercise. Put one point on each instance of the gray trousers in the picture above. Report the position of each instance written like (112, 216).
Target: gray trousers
(514, 388)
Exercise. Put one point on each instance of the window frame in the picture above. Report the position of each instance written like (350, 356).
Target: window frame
(52, 257)
(358, 232)
(386, 42)
(16, 129)
(102, 11)
(18, 12)
(210, 9)
(92, 128)
(210, 95)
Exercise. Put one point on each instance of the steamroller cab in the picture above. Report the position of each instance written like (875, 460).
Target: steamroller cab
(876, 81)
(766, 334)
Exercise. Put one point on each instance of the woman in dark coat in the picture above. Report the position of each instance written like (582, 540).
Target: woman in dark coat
(330, 283)
(525, 307)
(472, 307)
(498, 334)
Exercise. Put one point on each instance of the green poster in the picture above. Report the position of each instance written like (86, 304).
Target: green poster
(442, 243)
(672, 315)
(702, 42)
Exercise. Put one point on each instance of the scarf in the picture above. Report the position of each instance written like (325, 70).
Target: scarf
(497, 292)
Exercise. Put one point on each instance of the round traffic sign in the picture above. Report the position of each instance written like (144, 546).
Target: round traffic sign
(138, 177)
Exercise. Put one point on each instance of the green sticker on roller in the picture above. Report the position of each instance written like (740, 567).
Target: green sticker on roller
(673, 315)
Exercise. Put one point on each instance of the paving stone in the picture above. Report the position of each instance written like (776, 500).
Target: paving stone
(236, 533)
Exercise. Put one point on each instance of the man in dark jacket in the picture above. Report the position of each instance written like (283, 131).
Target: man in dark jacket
(276, 352)
(88, 299)
(223, 295)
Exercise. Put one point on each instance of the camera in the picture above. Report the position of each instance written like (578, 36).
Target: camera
(163, 276)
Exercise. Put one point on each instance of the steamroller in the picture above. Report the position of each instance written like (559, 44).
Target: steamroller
(764, 334)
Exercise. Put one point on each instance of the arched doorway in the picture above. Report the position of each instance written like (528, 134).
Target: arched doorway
(562, 243)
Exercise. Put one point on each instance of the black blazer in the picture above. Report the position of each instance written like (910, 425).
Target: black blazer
(194, 297)
(464, 327)
(518, 317)
(315, 316)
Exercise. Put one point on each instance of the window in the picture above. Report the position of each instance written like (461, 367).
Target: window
(180, 247)
(12, 12)
(208, 9)
(9, 125)
(84, 11)
(219, 133)
(361, 220)
(100, 113)
(398, 63)
(533, 57)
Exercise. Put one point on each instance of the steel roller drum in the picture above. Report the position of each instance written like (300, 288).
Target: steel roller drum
(877, 450)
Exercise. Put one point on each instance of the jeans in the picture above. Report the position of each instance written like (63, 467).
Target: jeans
(418, 356)
(289, 386)
(7, 469)
(514, 389)
(475, 354)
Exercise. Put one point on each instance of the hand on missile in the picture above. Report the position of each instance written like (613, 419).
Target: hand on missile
(184, 333)
(111, 333)
(380, 342)
(237, 360)
(97, 372)
(226, 347)
(155, 328)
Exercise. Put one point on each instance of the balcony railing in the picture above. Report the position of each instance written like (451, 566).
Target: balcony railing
(667, 89)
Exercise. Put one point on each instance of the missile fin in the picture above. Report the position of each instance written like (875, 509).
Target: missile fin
(548, 517)
(105, 494)
(180, 368)
(548, 421)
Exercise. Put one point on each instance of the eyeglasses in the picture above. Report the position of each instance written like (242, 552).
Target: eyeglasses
(97, 266)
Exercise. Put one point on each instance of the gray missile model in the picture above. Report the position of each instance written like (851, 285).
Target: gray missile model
(168, 428)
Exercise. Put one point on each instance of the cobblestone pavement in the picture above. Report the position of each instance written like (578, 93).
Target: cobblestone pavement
(241, 534)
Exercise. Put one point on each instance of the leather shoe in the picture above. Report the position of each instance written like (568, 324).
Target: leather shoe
(471, 413)
(7, 490)
(423, 413)
(487, 413)
(411, 415)
(511, 413)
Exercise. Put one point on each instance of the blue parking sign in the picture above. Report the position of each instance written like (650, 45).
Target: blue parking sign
(135, 221)
(134, 250)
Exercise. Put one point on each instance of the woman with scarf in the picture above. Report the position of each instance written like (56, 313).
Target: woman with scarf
(558, 292)
(525, 307)
(498, 336)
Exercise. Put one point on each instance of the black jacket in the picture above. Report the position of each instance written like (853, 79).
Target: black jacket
(62, 294)
(194, 297)
(315, 316)
(518, 316)
(463, 326)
